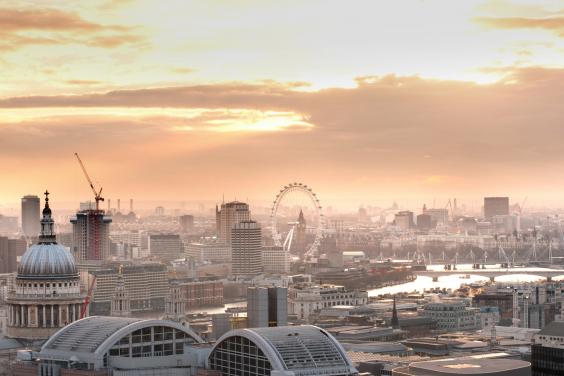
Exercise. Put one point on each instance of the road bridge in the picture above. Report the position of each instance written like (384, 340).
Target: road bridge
(492, 273)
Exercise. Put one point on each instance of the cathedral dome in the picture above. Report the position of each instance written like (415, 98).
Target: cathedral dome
(47, 261)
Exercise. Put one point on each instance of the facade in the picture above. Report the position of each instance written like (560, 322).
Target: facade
(506, 224)
(404, 220)
(175, 306)
(287, 350)
(452, 316)
(91, 236)
(10, 249)
(495, 206)
(166, 247)
(186, 223)
(121, 304)
(246, 249)
(267, 306)
(146, 285)
(208, 251)
(201, 293)
(305, 299)
(424, 222)
(488, 317)
(31, 215)
(503, 301)
(229, 215)
(46, 295)
(275, 260)
(547, 354)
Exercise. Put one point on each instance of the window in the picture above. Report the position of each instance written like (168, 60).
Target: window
(136, 351)
(167, 348)
(136, 336)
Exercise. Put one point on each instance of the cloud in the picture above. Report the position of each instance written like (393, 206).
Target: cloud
(182, 70)
(371, 138)
(40, 26)
(553, 24)
(227, 95)
(84, 82)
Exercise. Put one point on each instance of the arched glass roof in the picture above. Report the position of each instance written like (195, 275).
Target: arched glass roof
(299, 349)
(90, 338)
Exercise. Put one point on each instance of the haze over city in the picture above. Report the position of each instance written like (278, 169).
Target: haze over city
(368, 102)
(281, 188)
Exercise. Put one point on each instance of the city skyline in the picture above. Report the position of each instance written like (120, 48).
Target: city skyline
(415, 99)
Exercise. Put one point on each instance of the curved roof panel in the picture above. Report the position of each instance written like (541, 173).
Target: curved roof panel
(298, 348)
(90, 338)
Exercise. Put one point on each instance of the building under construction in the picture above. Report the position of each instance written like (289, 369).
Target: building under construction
(91, 236)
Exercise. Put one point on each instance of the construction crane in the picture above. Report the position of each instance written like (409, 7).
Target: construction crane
(97, 194)
(86, 302)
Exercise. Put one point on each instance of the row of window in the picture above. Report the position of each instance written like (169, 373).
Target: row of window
(60, 284)
(162, 349)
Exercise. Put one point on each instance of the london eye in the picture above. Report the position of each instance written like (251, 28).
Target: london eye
(292, 205)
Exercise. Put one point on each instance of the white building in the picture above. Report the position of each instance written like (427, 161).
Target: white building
(452, 316)
(208, 251)
(246, 249)
(305, 299)
(275, 260)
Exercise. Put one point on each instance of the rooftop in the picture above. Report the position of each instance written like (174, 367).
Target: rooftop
(555, 328)
(471, 365)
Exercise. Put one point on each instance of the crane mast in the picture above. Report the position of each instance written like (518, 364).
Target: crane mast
(97, 194)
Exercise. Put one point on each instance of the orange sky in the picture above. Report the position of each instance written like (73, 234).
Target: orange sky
(362, 100)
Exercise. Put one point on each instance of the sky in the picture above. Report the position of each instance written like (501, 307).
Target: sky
(365, 101)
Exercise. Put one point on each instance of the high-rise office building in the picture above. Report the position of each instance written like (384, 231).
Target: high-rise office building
(30, 216)
(495, 206)
(230, 214)
(186, 222)
(267, 306)
(166, 247)
(10, 249)
(91, 236)
(246, 247)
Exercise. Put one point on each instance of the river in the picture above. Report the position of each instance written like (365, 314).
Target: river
(455, 281)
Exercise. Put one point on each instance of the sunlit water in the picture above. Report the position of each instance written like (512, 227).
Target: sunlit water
(456, 280)
(421, 284)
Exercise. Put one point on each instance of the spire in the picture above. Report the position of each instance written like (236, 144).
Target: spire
(395, 320)
(47, 235)
(120, 303)
(301, 218)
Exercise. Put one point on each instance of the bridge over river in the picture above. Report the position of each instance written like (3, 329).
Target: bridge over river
(492, 273)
